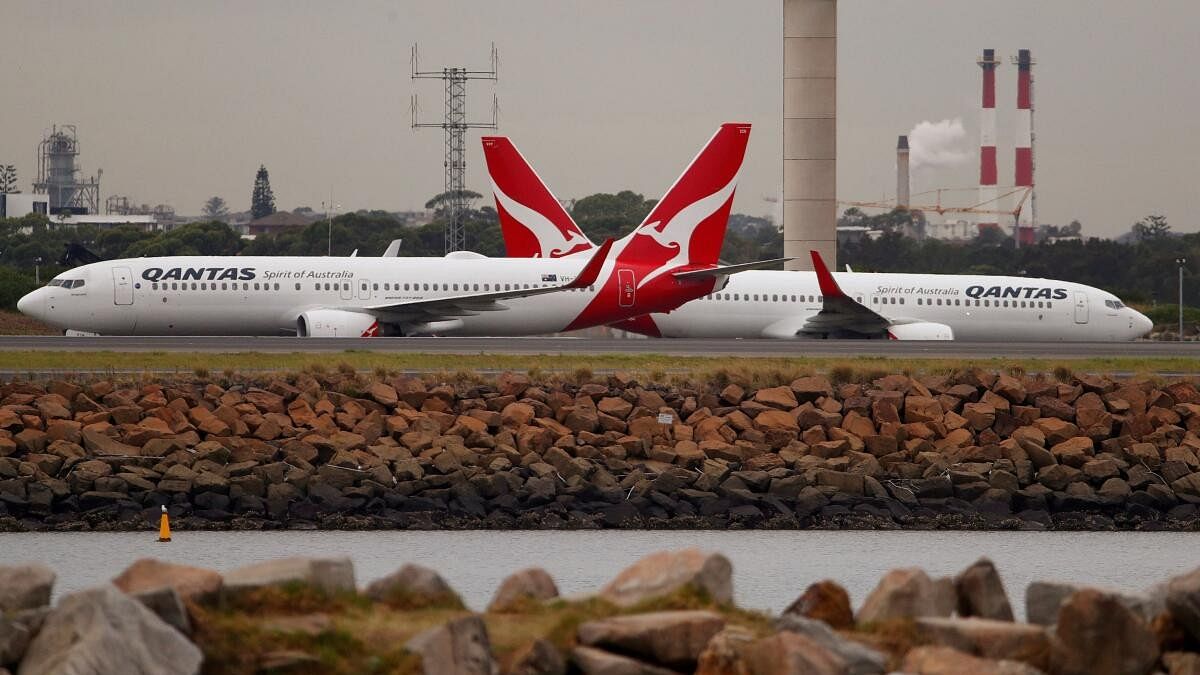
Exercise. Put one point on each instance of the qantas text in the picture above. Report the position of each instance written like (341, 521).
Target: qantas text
(1026, 292)
(199, 274)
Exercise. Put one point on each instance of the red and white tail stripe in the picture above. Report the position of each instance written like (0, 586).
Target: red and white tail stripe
(687, 226)
(533, 222)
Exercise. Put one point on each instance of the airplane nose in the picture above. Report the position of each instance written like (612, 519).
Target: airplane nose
(1141, 324)
(29, 305)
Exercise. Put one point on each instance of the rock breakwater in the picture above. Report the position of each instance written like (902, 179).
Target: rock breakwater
(667, 613)
(974, 449)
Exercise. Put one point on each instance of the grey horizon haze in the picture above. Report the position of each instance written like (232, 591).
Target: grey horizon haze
(180, 101)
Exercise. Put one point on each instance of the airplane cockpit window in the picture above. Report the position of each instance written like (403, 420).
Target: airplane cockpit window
(1114, 304)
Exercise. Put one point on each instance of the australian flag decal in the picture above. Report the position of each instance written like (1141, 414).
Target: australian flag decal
(550, 277)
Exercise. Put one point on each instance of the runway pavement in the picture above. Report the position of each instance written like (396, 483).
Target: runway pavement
(594, 346)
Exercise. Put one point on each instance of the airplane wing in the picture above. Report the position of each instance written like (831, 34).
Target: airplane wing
(840, 312)
(432, 309)
(729, 269)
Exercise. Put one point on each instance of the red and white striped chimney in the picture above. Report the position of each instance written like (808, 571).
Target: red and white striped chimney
(987, 139)
(1024, 163)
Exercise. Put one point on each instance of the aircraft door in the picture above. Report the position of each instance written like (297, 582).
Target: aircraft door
(364, 289)
(626, 287)
(122, 286)
(1081, 307)
(347, 290)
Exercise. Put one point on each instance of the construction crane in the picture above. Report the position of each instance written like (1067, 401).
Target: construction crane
(982, 208)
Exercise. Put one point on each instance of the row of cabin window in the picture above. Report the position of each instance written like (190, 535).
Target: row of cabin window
(487, 287)
(336, 286)
(763, 297)
(225, 286)
(958, 302)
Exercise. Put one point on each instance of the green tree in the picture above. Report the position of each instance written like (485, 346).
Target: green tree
(605, 215)
(439, 202)
(262, 201)
(212, 238)
(8, 179)
(1151, 228)
(216, 209)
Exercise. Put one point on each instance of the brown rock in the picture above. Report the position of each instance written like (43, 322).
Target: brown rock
(1073, 451)
(1098, 635)
(102, 445)
(989, 638)
(733, 394)
(901, 594)
(777, 397)
(1010, 388)
(460, 647)
(1183, 601)
(825, 601)
(724, 653)
(25, 587)
(811, 388)
(981, 592)
(948, 661)
(666, 572)
(414, 587)
(1055, 430)
(384, 394)
(776, 419)
(672, 639)
(539, 657)
(789, 653)
(922, 409)
(517, 414)
(532, 584)
(591, 661)
(191, 583)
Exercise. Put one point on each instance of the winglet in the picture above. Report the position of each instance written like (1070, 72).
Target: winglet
(591, 271)
(829, 285)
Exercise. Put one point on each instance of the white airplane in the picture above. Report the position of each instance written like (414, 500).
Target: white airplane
(796, 305)
(668, 260)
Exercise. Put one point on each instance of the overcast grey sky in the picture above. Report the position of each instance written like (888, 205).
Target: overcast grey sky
(178, 101)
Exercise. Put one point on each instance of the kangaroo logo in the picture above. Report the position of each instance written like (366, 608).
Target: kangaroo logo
(553, 240)
(676, 233)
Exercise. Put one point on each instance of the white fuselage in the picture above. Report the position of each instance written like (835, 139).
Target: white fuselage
(769, 304)
(267, 295)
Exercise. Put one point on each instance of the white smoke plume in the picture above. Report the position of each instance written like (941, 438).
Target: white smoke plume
(938, 144)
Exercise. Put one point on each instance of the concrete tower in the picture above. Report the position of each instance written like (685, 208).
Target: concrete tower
(902, 183)
(987, 139)
(809, 131)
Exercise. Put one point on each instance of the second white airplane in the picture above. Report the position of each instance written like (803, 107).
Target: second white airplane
(821, 304)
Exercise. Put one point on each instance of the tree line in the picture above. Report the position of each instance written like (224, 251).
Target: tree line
(1141, 271)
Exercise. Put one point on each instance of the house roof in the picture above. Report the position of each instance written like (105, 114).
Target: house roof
(282, 219)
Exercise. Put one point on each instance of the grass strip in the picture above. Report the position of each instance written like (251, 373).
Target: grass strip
(656, 366)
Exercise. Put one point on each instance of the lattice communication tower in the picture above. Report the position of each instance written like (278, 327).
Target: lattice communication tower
(455, 127)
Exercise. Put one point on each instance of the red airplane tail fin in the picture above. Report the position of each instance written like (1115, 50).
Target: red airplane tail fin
(534, 224)
(687, 226)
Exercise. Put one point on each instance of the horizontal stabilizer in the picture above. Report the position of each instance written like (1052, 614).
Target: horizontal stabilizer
(729, 269)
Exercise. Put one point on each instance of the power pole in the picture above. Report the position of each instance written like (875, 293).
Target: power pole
(1181, 262)
(455, 127)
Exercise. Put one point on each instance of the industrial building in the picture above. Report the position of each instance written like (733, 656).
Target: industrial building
(19, 205)
(60, 176)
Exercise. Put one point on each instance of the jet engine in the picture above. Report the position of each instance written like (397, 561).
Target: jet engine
(336, 323)
(920, 330)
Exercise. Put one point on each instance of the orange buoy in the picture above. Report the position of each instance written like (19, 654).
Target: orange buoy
(164, 526)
